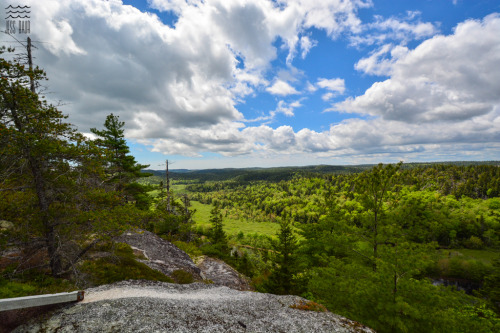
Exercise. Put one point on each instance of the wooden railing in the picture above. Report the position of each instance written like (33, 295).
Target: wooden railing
(40, 300)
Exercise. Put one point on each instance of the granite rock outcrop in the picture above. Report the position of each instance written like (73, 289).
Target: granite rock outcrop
(145, 306)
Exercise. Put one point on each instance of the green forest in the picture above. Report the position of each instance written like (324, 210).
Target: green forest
(400, 248)
(397, 247)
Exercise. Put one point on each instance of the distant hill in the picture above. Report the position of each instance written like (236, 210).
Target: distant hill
(286, 173)
(255, 174)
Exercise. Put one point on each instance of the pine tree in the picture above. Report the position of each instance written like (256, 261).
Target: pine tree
(491, 287)
(121, 167)
(217, 233)
(374, 188)
(46, 167)
(281, 279)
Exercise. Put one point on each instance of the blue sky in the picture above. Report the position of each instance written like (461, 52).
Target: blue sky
(246, 83)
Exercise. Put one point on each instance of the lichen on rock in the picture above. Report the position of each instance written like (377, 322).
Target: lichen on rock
(159, 254)
(222, 274)
(146, 306)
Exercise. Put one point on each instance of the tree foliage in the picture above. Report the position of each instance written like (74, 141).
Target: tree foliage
(281, 281)
(374, 187)
(121, 168)
(371, 242)
(47, 167)
(52, 180)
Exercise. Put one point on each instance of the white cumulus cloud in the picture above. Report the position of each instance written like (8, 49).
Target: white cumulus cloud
(335, 85)
(281, 88)
(446, 78)
(179, 87)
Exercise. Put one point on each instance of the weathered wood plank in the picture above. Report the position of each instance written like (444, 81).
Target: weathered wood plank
(39, 300)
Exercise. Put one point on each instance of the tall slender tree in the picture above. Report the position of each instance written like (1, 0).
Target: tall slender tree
(121, 167)
(217, 233)
(43, 161)
(281, 278)
(122, 170)
(374, 187)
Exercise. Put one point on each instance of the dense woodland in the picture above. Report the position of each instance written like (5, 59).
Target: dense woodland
(369, 245)
(375, 243)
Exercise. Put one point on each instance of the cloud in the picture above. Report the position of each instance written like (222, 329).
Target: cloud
(437, 81)
(327, 96)
(377, 63)
(311, 87)
(286, 109)
(103, 56)
(403, 30)
(177, 6)
(281, 88)
(280, 139)
(179, 88)
(333, 16)
(224, 138)
(335, 85)
(330, 15)
(282, 107)
(360, 137)
(134, 65)
(394, 30)
(306, 44)
(390, 36)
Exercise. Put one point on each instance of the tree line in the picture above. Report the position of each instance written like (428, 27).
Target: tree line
(434, 212)
(373, 254)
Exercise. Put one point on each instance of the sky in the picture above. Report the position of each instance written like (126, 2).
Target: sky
(265, 83)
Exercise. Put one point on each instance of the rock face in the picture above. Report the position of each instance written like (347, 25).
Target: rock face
(221, 274)
(159, 254)
(145, 306)
(165, 257)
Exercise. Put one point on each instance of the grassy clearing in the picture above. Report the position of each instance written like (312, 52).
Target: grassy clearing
(178, 189)
(154, 193)
(486, 256)
(202, 214)
(233, 226)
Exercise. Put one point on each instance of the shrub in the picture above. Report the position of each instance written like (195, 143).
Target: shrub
(182, 277)
(121, 266)
(33, 282)
(458, 268)
(10, 289)
(309, 306)
(192, 250)
(474, 243)
(216, 251)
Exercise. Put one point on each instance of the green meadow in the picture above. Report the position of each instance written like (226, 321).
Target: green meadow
(486, 256)
(233, 226)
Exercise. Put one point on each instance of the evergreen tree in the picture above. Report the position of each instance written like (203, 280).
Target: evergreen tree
(374, 188)
(47, 169)
(217, 233)
(219, 246)
(176, 223)
(281, 280)
(187, 219)
(121, 167)
(491, 287)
